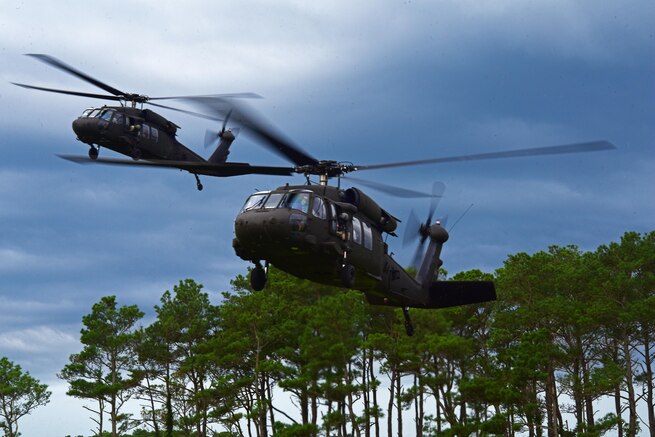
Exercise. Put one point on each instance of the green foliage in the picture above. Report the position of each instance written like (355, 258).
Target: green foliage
(104, 370)
(20, 393)
(567, 322)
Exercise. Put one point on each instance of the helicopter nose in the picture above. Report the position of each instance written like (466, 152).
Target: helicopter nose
(85, 129)
(262, 227)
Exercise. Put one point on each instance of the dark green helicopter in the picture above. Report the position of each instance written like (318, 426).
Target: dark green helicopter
(143, 134)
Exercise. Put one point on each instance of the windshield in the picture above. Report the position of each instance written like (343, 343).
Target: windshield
(299, 201)
(90, 113)
(254, 201)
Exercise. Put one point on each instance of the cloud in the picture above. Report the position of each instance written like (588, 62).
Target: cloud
(39, 339)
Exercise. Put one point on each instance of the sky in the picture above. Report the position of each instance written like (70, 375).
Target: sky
(368, 82)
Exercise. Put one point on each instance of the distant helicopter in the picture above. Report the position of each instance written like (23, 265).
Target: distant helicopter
(328, 234)
(142, 133)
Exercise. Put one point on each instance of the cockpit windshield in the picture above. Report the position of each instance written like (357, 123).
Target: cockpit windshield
(255, 201)
(106, 114)
(90, 113)
(298, 200)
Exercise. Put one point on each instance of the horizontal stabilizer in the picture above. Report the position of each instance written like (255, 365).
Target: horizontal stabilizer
(444, 294)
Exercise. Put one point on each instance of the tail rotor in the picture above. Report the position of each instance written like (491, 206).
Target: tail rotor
(416, 230)
(225, 136)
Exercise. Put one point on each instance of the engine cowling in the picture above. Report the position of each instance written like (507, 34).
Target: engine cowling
(370, 209)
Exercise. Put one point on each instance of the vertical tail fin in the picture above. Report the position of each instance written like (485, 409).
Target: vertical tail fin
(223, 150)
(432, 261)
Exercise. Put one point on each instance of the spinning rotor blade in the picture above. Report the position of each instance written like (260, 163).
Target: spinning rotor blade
(54, 62)
(390, 189)
(593, 146)
(212, 96)
(73, 93)
(118, 95)
(255, 125)
(417, 230)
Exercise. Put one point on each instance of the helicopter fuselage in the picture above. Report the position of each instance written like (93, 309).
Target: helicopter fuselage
(333, 237)
(138, 133)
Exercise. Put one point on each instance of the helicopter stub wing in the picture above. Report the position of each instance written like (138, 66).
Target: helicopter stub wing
(445, 294)
(199, 168)
(442, 294)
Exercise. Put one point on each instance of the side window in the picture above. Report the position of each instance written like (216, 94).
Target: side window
(145, 131)
(318, 208)
(333, 219)
(154, 134)
(357, 231)
(118, 118)
(368, 236)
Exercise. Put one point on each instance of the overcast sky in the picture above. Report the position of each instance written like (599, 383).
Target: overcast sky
(367, 82)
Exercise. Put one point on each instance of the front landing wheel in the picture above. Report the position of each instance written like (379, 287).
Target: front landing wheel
(93, 153)
(258, 278)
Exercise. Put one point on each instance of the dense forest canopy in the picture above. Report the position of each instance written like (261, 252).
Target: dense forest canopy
(569, 329)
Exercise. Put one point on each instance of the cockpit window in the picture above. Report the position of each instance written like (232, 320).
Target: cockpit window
(90, 113)
(118, 118)
(255, 201)
(357, 231)
(318, 208)
(299, 201)
(273, 200)
(106, 114)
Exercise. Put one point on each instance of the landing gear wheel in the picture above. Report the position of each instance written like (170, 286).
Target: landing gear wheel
(93, 153)
(136, 154)
(258, 278)
(347, 274)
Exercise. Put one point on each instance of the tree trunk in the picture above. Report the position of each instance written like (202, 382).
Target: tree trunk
(269, 400)
(551, 402)
(373, 380)
(632, 407)
(400, 405)
(649, 379)
(390, 406)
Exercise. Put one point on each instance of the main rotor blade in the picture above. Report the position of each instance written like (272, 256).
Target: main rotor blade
(247, 118)
(246, 95)
(391, 190)
(72, 93)
(54, 62)
(184, 111)
(200, 168)
(593, 146)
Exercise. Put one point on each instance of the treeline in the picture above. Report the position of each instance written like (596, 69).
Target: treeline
(569, 328)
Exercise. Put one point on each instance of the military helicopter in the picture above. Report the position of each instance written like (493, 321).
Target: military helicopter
(336, 236)
(142, 133)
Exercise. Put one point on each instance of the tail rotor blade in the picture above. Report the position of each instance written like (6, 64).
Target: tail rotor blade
(438, 189)
(411, 229)
(418, 255)
(210, 138)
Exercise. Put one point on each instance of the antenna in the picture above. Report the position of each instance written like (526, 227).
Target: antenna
(460, 217)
